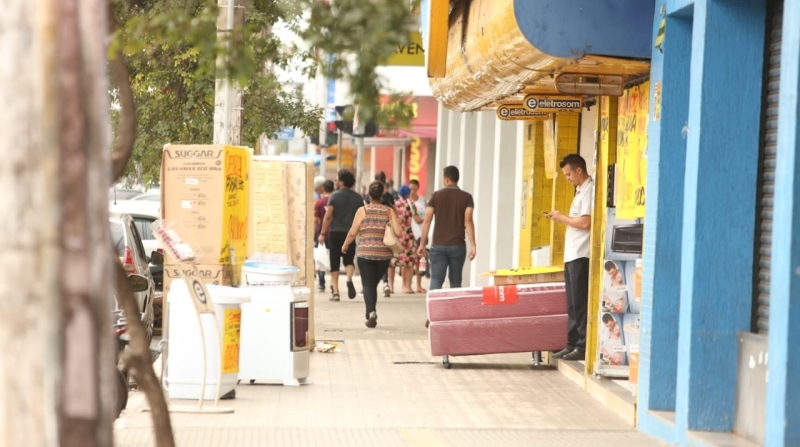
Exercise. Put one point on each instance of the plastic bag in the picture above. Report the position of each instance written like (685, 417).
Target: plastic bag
(322, 258)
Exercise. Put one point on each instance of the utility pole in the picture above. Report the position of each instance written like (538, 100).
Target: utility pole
(228, 94)
(57, 362)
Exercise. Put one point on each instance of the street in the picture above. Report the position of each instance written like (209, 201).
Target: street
(385, 389)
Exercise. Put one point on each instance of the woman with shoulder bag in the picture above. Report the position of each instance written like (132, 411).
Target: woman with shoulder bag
(368, 230)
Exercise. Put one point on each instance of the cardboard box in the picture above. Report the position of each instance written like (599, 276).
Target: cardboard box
(532, 275)
(217, 274)
(205, 194)
(282, 215)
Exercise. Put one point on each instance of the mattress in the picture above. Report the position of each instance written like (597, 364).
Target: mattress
(498, 336)
(497, 320)
(469, 303)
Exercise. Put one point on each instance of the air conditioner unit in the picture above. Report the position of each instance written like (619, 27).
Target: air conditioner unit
(627, 238)
(589, 84)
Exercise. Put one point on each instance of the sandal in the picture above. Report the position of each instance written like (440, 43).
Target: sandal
(421, 290)
(351, 289)
(335, 297)
(408, 291)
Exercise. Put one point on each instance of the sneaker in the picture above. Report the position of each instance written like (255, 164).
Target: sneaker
(576, 354)
(563, 352)
(373, 320)
(386, 292)
(351, 289)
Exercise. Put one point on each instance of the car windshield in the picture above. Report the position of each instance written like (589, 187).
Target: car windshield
(118, 236)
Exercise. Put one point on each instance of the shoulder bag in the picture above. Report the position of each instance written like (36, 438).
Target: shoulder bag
(389, 239)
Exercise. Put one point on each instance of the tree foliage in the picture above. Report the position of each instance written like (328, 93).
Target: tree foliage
(171, 49)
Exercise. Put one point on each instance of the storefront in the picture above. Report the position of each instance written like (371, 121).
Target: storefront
(696, 232)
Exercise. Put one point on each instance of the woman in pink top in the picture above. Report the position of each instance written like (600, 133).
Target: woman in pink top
(373, 256)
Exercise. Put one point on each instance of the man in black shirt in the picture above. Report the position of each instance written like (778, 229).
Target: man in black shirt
(339, 214)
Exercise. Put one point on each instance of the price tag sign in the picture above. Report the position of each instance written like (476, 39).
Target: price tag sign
(231, 327)
(499, 295)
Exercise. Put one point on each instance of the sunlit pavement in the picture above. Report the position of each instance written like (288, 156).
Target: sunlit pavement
(383, 388)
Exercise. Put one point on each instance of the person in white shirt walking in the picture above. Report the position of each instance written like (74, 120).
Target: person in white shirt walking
(416, 225)
(576, 254)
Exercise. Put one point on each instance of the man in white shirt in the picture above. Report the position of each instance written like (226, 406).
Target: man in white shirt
(576, 254)
(416, 224)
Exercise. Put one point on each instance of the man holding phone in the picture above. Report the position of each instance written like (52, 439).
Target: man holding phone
(576, 254)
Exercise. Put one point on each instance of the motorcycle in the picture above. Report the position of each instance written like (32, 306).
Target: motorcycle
(120, 329)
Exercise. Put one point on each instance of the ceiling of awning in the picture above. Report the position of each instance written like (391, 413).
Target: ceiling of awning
(498, 50)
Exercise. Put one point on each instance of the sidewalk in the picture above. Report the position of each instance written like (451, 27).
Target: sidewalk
(385, 389)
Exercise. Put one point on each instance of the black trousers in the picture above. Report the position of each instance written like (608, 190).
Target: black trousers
(371, 273)
(576, 281)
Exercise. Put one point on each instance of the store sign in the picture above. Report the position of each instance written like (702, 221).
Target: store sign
(517, 112)
(551, 104)
(411, 53)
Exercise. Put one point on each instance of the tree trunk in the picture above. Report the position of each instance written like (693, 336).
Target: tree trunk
(55, 284)
(223, 95)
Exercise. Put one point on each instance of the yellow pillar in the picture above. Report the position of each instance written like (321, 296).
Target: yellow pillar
(528, 186)
(607, 155)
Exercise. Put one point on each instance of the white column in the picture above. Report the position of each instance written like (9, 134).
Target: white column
(519, 159)
(466, 166)
(397, 166)
(453, 138)
(504, 157)
(373, 151)
(482, 194)
(442, 142)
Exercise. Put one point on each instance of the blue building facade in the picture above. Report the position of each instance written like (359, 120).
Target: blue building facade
(722, 248)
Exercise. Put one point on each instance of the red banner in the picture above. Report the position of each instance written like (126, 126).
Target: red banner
(496, 295)
(417, 163)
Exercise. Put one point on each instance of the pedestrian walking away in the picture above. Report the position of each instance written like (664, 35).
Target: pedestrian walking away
(453, 208)
(407, 259)
(339, 214)
(325, 189)
(576, 254)
(368, 228)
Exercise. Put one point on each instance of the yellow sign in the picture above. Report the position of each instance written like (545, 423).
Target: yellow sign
(549, 104)
(438, 28)
(409, 54)
(517, 112)
(231, 326)
(631, 177)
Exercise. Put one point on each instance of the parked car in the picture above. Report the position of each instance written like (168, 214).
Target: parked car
(128, 244)
(144, 213)
(147, 197)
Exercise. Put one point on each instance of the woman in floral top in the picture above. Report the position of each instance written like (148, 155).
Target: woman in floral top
(408, 258)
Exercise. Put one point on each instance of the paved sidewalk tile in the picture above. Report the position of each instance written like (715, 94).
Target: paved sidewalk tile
(383, 388)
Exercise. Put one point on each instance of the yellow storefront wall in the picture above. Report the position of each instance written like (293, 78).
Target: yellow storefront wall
(546, 194)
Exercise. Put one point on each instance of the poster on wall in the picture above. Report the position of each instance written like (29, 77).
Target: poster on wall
(621, 297)
(417, 162)
(631, 177)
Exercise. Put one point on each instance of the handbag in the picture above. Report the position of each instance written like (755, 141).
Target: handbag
(389, 239)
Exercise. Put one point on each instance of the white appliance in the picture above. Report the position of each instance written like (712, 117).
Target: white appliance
(275, 347)
(184, 364)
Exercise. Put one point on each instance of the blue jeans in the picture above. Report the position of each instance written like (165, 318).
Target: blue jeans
(443, 257)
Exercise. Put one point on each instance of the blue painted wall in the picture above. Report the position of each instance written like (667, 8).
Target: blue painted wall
(783, 389)
(577, 27)
(664, 221)
(725, 95)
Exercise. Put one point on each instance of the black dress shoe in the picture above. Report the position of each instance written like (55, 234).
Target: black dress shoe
(576, 354)
(562, 352)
